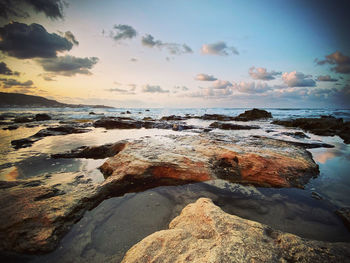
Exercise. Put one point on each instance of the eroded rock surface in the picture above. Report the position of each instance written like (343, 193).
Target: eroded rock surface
(324, 126)
(204, 233)
(34, 214)
(259, 161)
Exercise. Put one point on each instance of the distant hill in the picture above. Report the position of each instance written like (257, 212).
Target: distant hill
(15, 100)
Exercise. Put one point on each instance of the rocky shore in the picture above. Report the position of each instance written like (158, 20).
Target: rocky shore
(35, 213)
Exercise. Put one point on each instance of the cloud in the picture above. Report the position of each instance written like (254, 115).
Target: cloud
(153, 89)
(71, 38)
(9, 83)
(22, 41)
(341, 62)
(4, 70)
(252, 87)
(17, 8)
(263, 74)
(205, 77)
(123, 32)
(68, 65)
(133, 60)
(122, 91)
(180, 89)
(173, 48)
(298, 79)
(326, 78)
(218, 48)
(221, 84)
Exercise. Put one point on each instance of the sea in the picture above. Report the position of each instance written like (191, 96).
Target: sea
(109, 230)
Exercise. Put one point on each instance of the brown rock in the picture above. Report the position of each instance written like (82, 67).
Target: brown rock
(260, 161)
(344, 214)
(204, 233)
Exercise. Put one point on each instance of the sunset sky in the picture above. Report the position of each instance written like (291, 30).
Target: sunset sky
(186, 53)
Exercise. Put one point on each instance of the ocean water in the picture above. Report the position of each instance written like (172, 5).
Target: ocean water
(109, 230)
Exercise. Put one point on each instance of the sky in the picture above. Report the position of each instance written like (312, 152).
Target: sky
(185, 53)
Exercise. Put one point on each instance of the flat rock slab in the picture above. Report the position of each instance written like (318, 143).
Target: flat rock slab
(181, 159)
(204, 233)
(36, 213)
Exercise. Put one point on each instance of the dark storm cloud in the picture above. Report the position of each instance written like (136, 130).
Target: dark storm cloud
(17, 8)
(219, 48)
(68, 65)
(9, 83)
(31, 41)
(71, 38)
(326, 78)
(341, 62)
(123, 32)
(4, 70)
(153, 89)
(174, 48)
(263, 74)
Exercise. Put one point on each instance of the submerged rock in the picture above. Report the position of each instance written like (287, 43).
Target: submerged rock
(204, 233)
(344, 214)
(231, 126)
(324, 126)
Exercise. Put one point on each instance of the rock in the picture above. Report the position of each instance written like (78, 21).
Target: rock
(147, 123)
(344, 214)
(118, 123)
(306, 145)
(42, 117)
(230, 126)
(204, 233)
(22, 143)
(92, 113)
(316, 196)
(172, 118)
(22, 120)
(258, 161)
(325, 126)
(94, 152)
(11, 127)
(254, 114)
(34, 216)
(297, 135)
(50, 131)
(147, 110)
(216, 117)
(147, 119)
(36, 213)
(128, 112)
